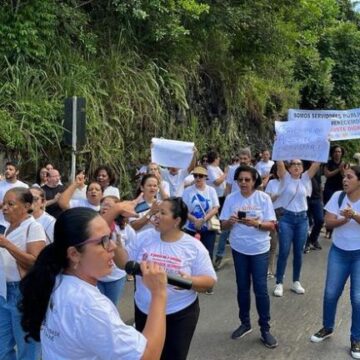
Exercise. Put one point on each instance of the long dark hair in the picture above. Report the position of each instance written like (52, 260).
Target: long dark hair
(71, 228)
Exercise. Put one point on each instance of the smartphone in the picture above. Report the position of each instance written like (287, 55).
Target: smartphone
(241, 214)
(141, 207)
(2, 229)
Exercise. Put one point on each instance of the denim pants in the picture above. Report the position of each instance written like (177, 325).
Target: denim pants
(112, 289)
(252, 268)
(316, 216)
(207, 238)
(220, 251)
(342, 265)
(293, 227)
(11, 332)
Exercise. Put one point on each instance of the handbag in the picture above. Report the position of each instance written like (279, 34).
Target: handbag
(213, 224)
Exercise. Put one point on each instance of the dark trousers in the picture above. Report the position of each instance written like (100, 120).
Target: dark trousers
(252, 268)
(180, 328)
(316, 219)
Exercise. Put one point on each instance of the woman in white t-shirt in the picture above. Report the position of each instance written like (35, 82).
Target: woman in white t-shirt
(105, 176)
(21, 243)
(216, 177)
(295, 187)
(343, 215)
(203, 203)
(94, 194)
(64, 309)
(113, 284)
(249, 215)
(272, 189)
(149, 187)
(40, 215)
(179, 254)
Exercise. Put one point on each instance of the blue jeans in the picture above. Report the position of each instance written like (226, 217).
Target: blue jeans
(252, 268)
(220, 252)
(293, 227)
(112, 289)
(11, 332)
(316, 216)
(342, 265)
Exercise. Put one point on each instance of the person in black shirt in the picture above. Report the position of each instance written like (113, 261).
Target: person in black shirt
(53, 189)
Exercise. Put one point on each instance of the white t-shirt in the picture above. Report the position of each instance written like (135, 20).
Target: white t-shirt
(83, 203)
(186, 255)
(128, 235)
(199, 202)
(176, 182)
(148, 225)
(247, 239)
(111, 191)
(28, 231)
(83, 324)
(79, 194)
(215, 172)
(5, 186)
(263, 168)
(347, 236)
(230, 177)
(293, 192)
(272, 188)
(48, 222)
(166, 188)
(189, 180)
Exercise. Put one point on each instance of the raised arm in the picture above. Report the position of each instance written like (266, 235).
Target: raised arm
(193, 161)
(65, 197)
(314, 167)
(281, 170)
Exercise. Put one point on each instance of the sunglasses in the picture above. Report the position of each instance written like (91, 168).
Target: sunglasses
(199, 176)
(104, 241)
(247, 180)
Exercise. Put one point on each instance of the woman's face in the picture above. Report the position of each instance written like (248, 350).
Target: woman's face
(38, 203)
(337, 154)
(164, 220)
(150, 188)
(95, 261)
(296, 168)
(13, 209)
(153, 169)
(200, 180)
(43, 174)
(103, 178)
(246, 182)
(94, 194)
(350, 181)
(107, 204)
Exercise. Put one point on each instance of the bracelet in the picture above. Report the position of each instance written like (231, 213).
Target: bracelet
(354, 213)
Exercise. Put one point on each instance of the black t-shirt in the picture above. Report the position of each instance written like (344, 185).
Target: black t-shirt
(335, 182)
(50, 193)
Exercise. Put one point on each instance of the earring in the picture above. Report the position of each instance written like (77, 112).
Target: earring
(75, 266)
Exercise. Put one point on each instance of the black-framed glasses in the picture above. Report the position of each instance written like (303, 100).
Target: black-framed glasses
(105, 241)
(200, 176)
(247, 180)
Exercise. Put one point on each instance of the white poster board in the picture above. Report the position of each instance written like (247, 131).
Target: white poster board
(306, 140)
(172, 153)
(345, 124)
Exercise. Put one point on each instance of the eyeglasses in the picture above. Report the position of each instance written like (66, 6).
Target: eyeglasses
(247, 180)
(296, 164)
(200, 176)
(105, 241)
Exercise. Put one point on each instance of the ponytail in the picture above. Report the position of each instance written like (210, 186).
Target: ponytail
(36, 288)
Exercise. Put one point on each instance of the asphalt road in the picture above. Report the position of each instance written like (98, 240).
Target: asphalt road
(294, 318)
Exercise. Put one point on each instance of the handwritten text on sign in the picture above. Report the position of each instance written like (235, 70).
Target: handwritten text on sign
(345, 124)
(307, 140)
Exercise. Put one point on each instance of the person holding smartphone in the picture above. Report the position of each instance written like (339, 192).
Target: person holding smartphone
(249, 215)
(147, 204)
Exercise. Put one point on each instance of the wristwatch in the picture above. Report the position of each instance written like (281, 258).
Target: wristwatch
(354, 213)
(259, 225)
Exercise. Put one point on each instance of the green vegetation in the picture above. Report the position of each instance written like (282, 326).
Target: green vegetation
(214, 72)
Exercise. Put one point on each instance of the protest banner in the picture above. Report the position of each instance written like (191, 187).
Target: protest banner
(345, 124)
(171, 153)
(306, 140)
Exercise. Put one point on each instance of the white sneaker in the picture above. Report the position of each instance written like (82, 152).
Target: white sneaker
(278, 291)
(297, 288)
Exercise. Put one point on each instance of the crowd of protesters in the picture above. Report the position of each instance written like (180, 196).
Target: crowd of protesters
(63, 248)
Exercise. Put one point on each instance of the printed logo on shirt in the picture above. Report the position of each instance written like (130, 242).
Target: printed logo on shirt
(197, 210)
(170, 263)
(49, 333)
